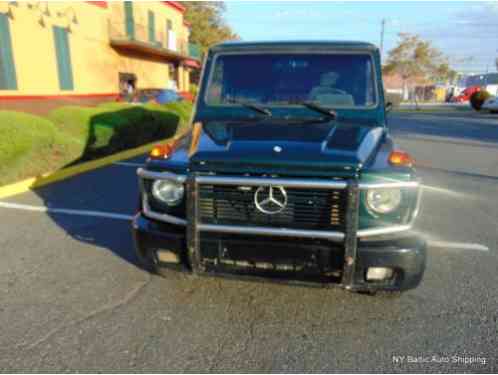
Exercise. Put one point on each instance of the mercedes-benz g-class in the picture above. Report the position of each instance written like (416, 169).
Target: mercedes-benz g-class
(288, 171)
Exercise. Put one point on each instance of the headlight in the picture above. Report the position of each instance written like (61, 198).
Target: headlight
(168, 192)
(383, 201)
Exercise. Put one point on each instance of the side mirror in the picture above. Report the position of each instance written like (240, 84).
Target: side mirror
(388, 107)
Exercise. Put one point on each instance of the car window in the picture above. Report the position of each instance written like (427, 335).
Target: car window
(492, 79)
(336, 80)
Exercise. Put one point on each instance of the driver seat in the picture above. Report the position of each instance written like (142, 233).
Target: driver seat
(327, 94)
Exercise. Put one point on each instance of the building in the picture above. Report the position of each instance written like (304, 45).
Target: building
(93, 49)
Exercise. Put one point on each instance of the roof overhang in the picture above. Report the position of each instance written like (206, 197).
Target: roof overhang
(191, 63)
(175, 5)
(146, 48)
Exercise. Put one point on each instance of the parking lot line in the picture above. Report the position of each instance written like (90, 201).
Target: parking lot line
(458, 245)
(117, 216)
(25, 207)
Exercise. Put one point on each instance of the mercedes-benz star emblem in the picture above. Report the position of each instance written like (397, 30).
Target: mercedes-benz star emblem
(270, 199)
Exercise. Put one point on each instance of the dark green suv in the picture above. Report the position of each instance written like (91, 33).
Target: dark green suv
(289, 172)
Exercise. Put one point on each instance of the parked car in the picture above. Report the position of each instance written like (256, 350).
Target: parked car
(167, 96)
(466, 94)
(491, 83)
(289, 172)
(143, 96)
(491, 105)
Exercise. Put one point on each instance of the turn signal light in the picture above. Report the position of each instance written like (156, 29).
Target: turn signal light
(161, 151)
(400, 158)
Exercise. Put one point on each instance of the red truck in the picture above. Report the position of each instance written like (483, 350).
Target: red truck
(466, 94)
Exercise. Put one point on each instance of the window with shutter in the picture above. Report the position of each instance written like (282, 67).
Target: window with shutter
(63, 55)
(8, 80)
(129, 20)
(152, 27)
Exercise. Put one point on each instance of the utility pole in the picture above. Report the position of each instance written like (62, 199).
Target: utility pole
(383, 24)
(486, 76)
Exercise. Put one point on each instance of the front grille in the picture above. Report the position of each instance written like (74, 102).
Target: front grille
(306, 208)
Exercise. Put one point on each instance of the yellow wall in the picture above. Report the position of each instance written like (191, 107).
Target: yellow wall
(95, 64)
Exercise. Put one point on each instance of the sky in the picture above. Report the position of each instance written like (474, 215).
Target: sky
(466, 32)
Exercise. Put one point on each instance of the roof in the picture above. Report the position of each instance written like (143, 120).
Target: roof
(301, 44)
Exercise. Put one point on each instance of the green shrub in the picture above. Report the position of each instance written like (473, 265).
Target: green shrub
(113, 127)
(80, 124)
(30, 145)
(394, 98)
(478, 98)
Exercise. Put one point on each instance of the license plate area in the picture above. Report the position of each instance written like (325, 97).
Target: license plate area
(277, 257)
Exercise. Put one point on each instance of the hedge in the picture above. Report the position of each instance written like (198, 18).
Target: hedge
(113, 127)
(31, 145)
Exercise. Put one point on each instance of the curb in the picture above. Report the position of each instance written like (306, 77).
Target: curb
(51, 177)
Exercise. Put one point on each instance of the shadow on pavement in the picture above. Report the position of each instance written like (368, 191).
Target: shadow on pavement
(115, 131)
(109, 190)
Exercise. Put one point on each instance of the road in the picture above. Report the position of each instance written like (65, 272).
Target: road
(73, 299)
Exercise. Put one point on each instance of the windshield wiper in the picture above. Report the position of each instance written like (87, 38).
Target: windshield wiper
(318, 108)
(252, 106)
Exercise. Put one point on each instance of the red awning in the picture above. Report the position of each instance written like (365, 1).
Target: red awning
(193, 64)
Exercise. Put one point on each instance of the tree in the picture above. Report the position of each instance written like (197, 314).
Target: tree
(207, 24)
(444, 73)
(417, 62)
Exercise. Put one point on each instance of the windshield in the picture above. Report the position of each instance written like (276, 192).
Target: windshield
(330, 80)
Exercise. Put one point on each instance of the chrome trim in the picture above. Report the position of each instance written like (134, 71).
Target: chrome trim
(370, 232)
(282, 232)
(417, 204)
(381, 185)
(161, 217)
(143, 173)
(161, 176)
(385, 230)
(269, 181)
(270, 199)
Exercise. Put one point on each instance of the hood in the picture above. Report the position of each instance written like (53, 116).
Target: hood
(276, 146)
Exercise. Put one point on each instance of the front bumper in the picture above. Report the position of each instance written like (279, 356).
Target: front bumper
(406, 255)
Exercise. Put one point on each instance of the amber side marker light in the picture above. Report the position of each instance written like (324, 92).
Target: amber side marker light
(400, 158)
(161, 151)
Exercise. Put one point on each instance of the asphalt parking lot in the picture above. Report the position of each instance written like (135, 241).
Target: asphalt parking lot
(72, 297)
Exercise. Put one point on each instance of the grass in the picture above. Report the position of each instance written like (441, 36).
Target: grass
(31, 145)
